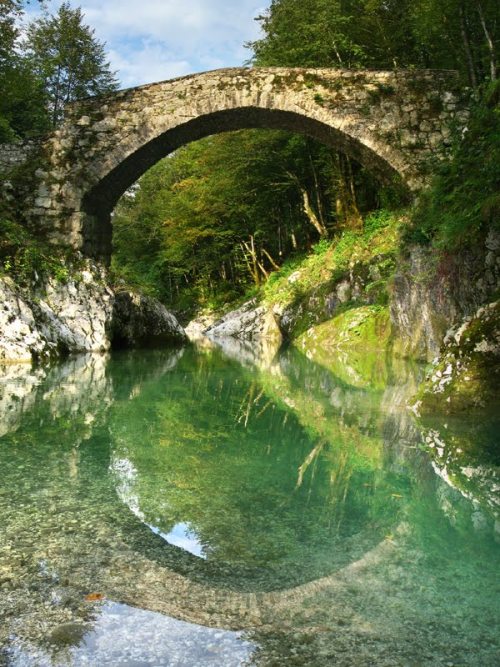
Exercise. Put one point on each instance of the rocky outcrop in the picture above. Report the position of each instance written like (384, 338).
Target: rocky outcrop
(363, 283)
(196, 327)
(249, 321)
(428, 296)
(140, 321)
(81, 313)
(55, 318)
(466, 375)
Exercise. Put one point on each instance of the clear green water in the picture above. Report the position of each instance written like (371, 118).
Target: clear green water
(220, 509)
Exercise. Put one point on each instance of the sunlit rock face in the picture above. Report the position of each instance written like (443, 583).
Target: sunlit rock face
(250, 321)
(54, 317)
(390, 122)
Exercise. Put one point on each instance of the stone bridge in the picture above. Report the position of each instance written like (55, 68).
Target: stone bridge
(390, 122)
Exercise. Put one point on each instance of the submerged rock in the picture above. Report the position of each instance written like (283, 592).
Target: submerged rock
(139, 320)
(68, 634)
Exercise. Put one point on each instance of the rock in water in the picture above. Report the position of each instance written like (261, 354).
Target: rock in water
(466, 375)
(140, 321)
(247, 322)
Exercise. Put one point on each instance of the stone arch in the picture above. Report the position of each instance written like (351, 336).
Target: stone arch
(99, 201)
(390, 122)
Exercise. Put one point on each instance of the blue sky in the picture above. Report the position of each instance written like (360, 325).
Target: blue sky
(153, 40)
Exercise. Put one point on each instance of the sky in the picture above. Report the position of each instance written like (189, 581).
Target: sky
(154, 40)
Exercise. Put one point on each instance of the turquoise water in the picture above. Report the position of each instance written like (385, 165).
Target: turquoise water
(202, 507)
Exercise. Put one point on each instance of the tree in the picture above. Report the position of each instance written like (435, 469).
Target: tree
(10, 11)
(222, 213)
(22, 99)
(68, 58)
(306, 33)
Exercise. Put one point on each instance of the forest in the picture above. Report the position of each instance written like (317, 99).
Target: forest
(210, 223)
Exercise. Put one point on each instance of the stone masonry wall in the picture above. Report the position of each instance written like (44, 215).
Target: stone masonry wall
(391, 122)
(15, 155)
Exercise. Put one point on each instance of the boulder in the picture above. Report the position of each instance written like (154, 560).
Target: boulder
(141, 321)
(465, 377)
(249, 321)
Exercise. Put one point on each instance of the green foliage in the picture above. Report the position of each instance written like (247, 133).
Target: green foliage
(68, 58)
(330, 260)
(464, 199)
(184, 233)
(378, 220)
(307, 33)
(22, 98)
(383, 34)
(321, 247)
(27, 258)
(58, 60)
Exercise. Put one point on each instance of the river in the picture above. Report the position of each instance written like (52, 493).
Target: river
(208, 506)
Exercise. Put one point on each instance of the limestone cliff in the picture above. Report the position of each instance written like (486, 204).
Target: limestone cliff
(51, 317)
(431, 293)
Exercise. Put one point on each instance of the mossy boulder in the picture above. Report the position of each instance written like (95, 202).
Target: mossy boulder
(353, 343)
(466, 375)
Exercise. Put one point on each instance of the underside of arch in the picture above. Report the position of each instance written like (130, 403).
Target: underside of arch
(99, 202)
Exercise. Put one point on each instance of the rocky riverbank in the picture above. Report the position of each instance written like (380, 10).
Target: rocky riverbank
(418, 296)
(418, 304)
(55, 317)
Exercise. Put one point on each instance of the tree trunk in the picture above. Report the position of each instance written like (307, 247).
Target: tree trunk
(311, 215)
(346, 205)
(317, 192)
(489, 41)
(273, 263)
(251, 259)
(467, 49)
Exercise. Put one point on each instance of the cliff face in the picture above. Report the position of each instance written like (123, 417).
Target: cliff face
(53, 318)
(466, 375)
(428, 296)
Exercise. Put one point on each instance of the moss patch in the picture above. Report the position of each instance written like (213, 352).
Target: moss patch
(466, 377)
(352, 345)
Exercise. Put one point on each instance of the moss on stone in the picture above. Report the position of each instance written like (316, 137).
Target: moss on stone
(466, 377)
(353, 345)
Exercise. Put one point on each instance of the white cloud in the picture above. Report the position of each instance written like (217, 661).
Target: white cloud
(159, 39)
(151, 62)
